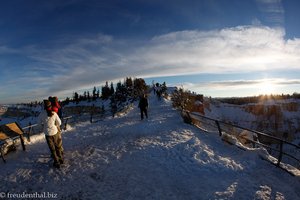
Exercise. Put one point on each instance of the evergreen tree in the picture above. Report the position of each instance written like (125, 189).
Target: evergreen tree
(139, 85)
(76, 97)
(164, 88)
(94, 94)
(105, 91)
(121, 92)
(98, 94)
(67, 101)
(88, 96)
(128, 82)
(112, 90)
(84, 96)
(118, 88)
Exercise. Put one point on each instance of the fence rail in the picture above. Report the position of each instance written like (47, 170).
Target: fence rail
(92, 116)
(213, 125)
(29, 130)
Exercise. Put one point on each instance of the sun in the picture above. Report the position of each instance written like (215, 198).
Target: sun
(266, 87)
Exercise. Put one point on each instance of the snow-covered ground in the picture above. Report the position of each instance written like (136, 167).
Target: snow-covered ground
(158, 158)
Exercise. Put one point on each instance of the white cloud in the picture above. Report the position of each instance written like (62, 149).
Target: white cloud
(243, 87)
(90, 61)
(239, 49)
(245, 83)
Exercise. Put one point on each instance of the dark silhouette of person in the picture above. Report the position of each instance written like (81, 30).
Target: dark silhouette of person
(143, 105)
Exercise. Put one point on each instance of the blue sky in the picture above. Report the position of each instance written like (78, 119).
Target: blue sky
(215, 47)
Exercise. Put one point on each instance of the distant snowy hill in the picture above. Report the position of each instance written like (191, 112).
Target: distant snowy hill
(158, 158)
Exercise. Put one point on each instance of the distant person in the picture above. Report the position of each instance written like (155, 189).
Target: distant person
(143, 105)
(114, 108)
(50, 120)
(158, 94)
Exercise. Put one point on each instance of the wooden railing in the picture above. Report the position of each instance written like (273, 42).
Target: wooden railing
(92, 116)
(29, 130)
(213, 125)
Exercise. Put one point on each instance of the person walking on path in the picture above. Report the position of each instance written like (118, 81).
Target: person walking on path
(143, 105)
(50, 120)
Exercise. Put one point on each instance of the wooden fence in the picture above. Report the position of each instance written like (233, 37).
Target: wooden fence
(93, 116)
(207, 124)
(274, 145)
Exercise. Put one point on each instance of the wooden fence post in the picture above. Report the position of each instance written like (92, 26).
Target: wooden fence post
(66, 123)
(22, 142)
(280, 153)
(91, 119)
(219, 127)
(2, 155)
(92, 113)
(29, 132)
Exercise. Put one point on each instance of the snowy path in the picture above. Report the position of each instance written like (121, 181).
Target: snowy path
(160, 158)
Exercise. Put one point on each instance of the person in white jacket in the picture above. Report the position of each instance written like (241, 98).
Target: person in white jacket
(50, 122)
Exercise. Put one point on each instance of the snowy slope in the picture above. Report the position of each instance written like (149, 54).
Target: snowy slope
(159, 158)
(288, 116)
(230, 112)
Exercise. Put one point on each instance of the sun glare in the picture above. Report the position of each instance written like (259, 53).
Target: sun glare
(266, 87)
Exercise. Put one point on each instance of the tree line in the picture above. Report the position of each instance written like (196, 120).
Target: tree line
(258, 99)
(129, 88)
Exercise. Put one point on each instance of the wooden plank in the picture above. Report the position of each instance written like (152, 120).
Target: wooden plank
(10, 130)
(13, 131)
(3, 136)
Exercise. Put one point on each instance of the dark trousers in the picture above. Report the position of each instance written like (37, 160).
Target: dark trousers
(55, 145)
(144, 110)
